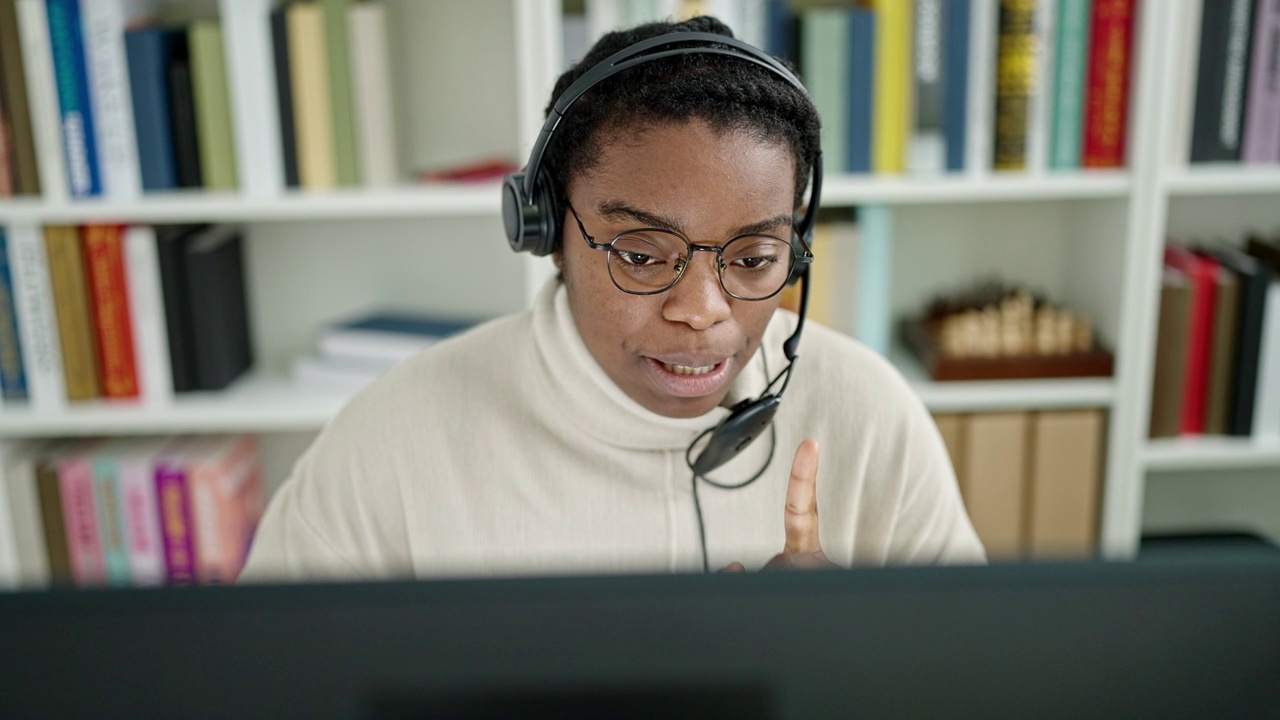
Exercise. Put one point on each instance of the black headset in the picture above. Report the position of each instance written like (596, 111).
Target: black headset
(532, 221)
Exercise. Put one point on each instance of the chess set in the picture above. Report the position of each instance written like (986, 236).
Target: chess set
(997, 332)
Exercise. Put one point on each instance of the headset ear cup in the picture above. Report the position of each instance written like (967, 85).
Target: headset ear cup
(549, 216)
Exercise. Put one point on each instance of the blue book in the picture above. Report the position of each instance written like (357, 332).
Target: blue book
(111, 523)
(955, 81)
(13, 379)
(862, 42)
(66, 38)
(387, 337)
(148, 51)
(780, 30)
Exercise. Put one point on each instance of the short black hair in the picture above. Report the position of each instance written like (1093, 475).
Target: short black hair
(726, 94)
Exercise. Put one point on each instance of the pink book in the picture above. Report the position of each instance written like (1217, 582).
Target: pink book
(1203, 273)
(80, 514)
(1261, 142)
(173, 497)
(135, 462)
(222, 476)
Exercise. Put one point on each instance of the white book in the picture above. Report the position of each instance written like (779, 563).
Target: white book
(981, 103)
(251, 86)
(603, 16)
(135, 461)
(37, 318)
(753, 23)
(329, 374)
(1038, 119)
(103, 23)
(42, 95)
(372, 95)
(19, 475)
(10, 566)
(1189, 15)
(147, 314)
(1266, 410)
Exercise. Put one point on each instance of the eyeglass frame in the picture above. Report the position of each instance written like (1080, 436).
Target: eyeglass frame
(799, 258)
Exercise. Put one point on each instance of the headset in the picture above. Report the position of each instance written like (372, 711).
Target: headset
(532, 223)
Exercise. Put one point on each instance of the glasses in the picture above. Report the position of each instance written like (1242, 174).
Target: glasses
(648, 261)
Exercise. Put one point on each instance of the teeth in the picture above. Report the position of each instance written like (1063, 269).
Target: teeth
(683, 370)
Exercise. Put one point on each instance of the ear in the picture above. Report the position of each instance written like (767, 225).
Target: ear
(557, 258)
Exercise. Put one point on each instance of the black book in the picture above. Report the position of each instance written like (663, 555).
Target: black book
(1226, 38)
(217, 298)
(182, 113)
(1255, 277)
(284, 94)
(171, 245)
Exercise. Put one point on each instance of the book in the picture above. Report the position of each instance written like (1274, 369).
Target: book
(1201, 273)
(80, 513)
(76, 336)
(37, 318)
(1261, 141)
(1169, 376)
(109, 499)
(284, 96)
(1186, 72)
(955, 82)
(149, 50)
(1065, 483)
(182, 113)
(18, 483)
(10, 564)
(1107, 97)
(225, 479)
(824, 63)
(13, 378)
(926, 148)
(104, 23)
(171, 252)
(1222, 357)
(52, 518)
(1266, 412)
(329, 374)
(217, 299)
(212, 106)
(1220, 80)
(1255, 279)
(8, 183)
(1068, 88)
(994, 467)
(1038, 104)
(252, 95)
(177, 532)
(980, 108)
(891, 94)
(13, 96)
(109, 294)
(372, 95)
(46, 118)
(312, 101)
(1016, 72)
(338, 55)
(147, 316)
(79, 131)
(386, 337)
(133, 460)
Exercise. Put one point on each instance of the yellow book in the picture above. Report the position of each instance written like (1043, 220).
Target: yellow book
(75, 318)
(312, 104)
(891, 115)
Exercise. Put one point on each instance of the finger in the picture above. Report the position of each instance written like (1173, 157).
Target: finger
(802, 501)
(734, 567)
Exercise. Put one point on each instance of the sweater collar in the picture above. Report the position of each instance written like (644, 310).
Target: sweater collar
(598, 407)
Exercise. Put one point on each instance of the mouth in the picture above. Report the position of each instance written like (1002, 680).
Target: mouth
(687, 370)
(689, 377)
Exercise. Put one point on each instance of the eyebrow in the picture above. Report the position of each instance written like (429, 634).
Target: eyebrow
(617, 210)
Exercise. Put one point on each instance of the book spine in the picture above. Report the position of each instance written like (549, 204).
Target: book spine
(892, 80)
(28, 525)
(1220, 80)
(109, 91)
(1038, 104)
(1106, 110)
(10, 563)
(284, 99)
(175, 524)
(75, 318)
(926, 150)
(980, 108)
(8, 184)
(212, 106)
(1065, 483)
(13, 85)
(207, 515)
(955, 82)
(37, 319)
(171, 250)
(80, 516)
(147, 315)
(995, 462)
(37, 54)
(79, 132)
(142, 522)
(338, 54)
(823, 62)
(182, 117)
(108, 497)
(312, 104)
(1262, 115)
(104, 256)
(148, 50)
(1186, 71)
(219, 311)
(1067, 118)
(13, 378)
(1222, 356)
(252, 95)
(1015, 80)
(372, 93)
(1249, 352)
(1266, 411)
(55, 528)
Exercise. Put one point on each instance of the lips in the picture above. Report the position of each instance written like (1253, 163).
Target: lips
(688, 376)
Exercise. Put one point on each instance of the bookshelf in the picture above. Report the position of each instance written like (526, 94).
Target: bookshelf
(1091, 239)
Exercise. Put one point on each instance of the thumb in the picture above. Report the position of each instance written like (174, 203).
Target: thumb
(802, 501)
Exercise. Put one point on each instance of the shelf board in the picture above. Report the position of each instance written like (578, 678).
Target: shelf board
(1211, 453)
(1225, 179)
(259, 402)
(843, 190)
(293, 205)
(1003, 395)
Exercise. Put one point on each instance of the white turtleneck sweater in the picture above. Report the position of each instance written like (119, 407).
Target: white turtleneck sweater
(508, 450)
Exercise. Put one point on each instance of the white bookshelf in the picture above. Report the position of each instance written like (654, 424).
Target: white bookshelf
(1224, 180)
(1212, 454)
(991, 188)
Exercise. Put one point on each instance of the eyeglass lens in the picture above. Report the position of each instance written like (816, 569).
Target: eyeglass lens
(752, 267)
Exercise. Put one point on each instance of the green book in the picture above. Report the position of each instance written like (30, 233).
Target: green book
(344, 126)
(213, 106)
(1069, 84)
(824, 64)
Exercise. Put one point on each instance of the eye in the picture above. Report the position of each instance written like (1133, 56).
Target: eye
(752, 263)
(635, 259)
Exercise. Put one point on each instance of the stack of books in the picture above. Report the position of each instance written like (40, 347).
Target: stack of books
(141, 511)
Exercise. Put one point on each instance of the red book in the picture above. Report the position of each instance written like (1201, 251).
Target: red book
(104, 265)
(1202, 273)
(1107, 92)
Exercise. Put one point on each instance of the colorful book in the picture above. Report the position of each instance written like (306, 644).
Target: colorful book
(134, 461)
(52, 517)
(109, 499)
(80, 514)
(1255, 279)
(76, 335)
(1168, 384)
(892, 86)
(37, 318)
(1220, 80)
(173, 495)
(1071, 33)
(224, 477)
(926, 148)
(338, 54)
(105, 22)
(1201, 273)
(212, 106)
(312, 101)
(46, 118)
(79, 131)
(147, 315)
(13, 378)
(1262, 102)
(1038, 121)
(372, 94)
(861, 90)
(1015, 82)
(109, 292)
(13, 95)
(386, 337)
(824, 63)
(18, 482)
(1107, 103)
(148, 51)
(1222, 358)
(955, 82)
(252, 94)
(980, 109)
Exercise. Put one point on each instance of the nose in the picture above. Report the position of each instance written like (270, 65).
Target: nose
(698, 300)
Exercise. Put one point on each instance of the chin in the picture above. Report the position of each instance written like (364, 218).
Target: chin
(684, 408)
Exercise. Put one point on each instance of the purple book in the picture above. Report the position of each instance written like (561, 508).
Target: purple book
(1262, 113)
(176, 530)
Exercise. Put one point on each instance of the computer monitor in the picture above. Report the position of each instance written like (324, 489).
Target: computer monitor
(1167, 639)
